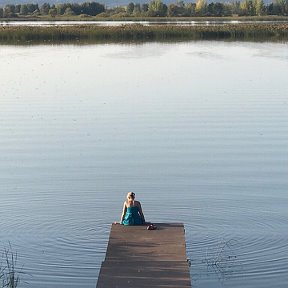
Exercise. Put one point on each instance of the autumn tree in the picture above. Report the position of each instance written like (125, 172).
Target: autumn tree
(201, 7)
(259, 7)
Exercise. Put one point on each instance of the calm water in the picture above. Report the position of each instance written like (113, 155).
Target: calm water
(199, 131)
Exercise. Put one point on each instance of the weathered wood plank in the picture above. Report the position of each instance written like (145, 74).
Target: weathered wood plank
(137, 257)
(167, 242)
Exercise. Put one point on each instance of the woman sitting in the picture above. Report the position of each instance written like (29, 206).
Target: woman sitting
(132, 213)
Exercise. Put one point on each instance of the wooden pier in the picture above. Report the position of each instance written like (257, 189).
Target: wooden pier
(137, 257)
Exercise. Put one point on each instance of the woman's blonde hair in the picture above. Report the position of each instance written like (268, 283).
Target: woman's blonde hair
(131, 194)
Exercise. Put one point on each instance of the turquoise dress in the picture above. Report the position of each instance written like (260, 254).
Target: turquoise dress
(132, 216)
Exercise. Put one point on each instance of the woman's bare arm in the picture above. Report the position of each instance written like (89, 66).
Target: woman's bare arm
(140, 211)
(123, 212)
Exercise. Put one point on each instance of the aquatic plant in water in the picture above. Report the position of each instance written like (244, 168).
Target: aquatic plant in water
(222, 260)
(9, 276)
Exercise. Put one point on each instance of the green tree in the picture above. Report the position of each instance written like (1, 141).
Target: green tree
(219, 9)
(69, 11)
(190, 9)
(157, 8)
(24, 9)
(210, 9)
(145, 8)
(44, 9)
(137, 10)
(76, 8)
(92, 8)
(9, 11)
(53, 12)
(235, 7)
(227, 9)
(17, 8)
(32, 8)
(283, 6)
(177, 9)
(97, 8)
(60, 8)
(172, 10)
(130, 8)
(1, 12)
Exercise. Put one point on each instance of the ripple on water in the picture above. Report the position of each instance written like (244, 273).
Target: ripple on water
(210, 156)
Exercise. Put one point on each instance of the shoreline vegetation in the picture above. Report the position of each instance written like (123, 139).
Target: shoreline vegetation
(87, 34)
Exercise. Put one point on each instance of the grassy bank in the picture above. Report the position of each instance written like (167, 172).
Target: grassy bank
(128, 33)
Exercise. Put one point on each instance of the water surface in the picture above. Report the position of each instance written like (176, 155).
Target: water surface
(197, 130)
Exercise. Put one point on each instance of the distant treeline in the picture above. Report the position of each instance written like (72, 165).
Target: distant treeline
(152, 9)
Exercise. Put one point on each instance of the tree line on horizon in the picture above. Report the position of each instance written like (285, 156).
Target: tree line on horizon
(155, 8)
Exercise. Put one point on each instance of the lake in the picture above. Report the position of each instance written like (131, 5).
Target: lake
(198, 130)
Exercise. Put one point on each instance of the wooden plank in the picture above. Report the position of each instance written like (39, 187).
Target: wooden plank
(144, 274)
(137, 257)
(167, 242)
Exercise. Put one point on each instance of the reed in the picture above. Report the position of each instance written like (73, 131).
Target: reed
(222, 259)
(9, 276)
(140, 33)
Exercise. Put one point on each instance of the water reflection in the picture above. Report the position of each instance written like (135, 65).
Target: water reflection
(131, 22)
